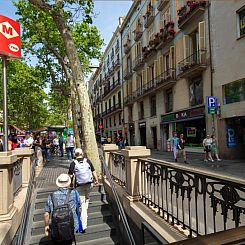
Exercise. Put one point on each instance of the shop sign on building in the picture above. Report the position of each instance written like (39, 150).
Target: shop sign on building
(231, 137)
(211, 104)
(183, 115)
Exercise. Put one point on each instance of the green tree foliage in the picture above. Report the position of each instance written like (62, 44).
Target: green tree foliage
(27, 101)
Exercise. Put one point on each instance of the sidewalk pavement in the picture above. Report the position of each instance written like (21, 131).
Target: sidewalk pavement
(49, 174)
(232, 168)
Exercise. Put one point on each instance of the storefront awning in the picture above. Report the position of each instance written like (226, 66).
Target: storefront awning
(17, 129)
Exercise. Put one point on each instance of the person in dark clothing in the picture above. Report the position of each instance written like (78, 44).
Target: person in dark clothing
(61, 143)
(181, 147)
(46, 147)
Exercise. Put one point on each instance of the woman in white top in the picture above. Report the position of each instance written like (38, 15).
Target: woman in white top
(70, 147)
(207, 144)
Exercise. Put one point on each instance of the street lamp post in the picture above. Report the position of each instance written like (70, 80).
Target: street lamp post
(5, 104)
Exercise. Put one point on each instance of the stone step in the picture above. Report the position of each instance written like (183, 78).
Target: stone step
(113, 240)
(97, 206)
(99, 188)
(94, 197)
(92, 232)
(93, 219)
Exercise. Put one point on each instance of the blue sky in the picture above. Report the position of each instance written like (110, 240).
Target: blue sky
(107, 14)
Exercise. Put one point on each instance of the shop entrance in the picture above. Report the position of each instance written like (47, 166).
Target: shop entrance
(154, 137)
(143, 136)
(193, 130)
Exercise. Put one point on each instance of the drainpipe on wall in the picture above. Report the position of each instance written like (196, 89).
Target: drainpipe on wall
(211, 64)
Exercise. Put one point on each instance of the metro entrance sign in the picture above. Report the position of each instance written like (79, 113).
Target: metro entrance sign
(9, 48)
(9, 37)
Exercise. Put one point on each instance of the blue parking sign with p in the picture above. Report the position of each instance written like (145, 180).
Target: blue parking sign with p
(211, 104)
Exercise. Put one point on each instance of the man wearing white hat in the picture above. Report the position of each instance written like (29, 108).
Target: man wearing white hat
(62, 196)
(85, 176)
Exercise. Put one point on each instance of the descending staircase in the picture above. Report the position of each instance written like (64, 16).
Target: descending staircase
(101, 229)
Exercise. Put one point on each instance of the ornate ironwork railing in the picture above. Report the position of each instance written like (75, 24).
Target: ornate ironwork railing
(199, 202)
(118, 168)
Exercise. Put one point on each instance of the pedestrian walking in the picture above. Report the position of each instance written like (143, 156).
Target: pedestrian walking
(46, 147)
(214, 148)
(69, 142)
(28, 141)
(63, 206)
(207, 144)
(181, 147)
(61, 145)
(175, 144)
(85, 175)
(38, 150)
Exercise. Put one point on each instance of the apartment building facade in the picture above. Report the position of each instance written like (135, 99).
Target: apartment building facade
(166, 72)
(105, 90)
(228, 47)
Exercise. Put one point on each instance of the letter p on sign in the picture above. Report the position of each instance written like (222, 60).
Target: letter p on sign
(9, 38)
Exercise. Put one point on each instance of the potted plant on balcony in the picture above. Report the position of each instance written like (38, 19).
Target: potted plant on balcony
(170, 25)
(171, 34)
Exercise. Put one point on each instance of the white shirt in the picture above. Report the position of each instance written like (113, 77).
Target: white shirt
(28, 141)
(70, 141)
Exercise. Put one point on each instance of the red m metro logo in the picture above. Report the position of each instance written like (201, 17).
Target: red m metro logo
(9, 37)
(7, 30)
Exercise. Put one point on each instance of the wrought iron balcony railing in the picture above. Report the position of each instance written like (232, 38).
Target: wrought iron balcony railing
(194, 63)
(128, 73)
(162, 4)
(138, 32)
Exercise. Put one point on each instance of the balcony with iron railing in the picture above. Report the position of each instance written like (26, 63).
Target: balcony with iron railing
(193, 64)
(166, 77)
(138, 32)
(128, 73)
(138, 62)
(162, 4)
(127, 46)
(129, 99)
(165, 35)
(109, 89)
(117, 47)
(149, 17)
(117, 63)
(190, 11)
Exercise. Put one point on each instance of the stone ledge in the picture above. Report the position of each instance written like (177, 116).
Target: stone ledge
(109, 147)
(7, 158)
(9, 228)
(136, 152)
(23, 151)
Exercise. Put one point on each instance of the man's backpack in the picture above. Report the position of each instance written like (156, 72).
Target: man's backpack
(62, 220)
(83, 172)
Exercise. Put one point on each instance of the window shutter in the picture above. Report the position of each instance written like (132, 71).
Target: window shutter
(172, 60)
(186, 47)
(155, 69)
(148, 75)
(144, 77)
(161, 65)
(202, 45)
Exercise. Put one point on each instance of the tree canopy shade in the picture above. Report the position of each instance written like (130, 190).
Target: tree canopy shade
(63, 27)
(27, 101)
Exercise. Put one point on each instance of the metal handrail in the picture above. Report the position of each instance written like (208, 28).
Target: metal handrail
(25, 215)
(118, 203)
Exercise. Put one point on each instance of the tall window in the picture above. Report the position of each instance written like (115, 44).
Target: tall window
(141, 111)
(120, 118)
(241, 22)
(169, 100)
(153, 106)
(115, 124)
(119, 98)
(196, 91)
(234, 92)
(110, 121)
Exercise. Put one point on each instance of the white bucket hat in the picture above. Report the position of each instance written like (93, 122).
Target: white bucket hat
(63, 181)
(79, 151)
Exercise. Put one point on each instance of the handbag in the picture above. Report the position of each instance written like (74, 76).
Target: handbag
(80, 225)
